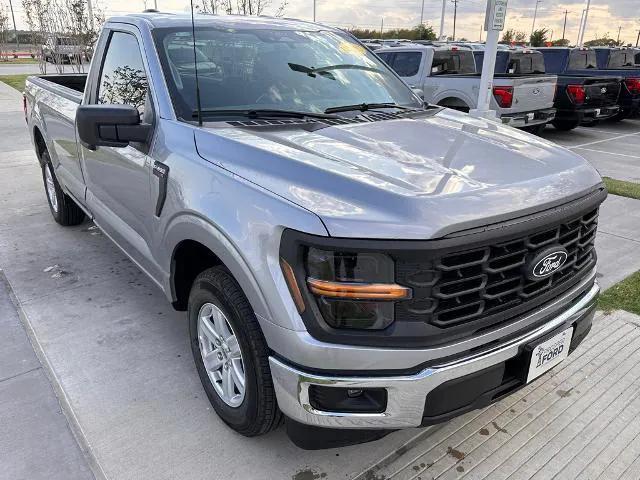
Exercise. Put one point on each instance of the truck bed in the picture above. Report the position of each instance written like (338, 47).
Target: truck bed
(69, 86)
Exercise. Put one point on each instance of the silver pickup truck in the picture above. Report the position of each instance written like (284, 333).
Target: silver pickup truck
(349, 258)
(447, 76)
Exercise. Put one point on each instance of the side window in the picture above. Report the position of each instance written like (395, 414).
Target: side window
(407, 64)
(386, 58)
(123, 79)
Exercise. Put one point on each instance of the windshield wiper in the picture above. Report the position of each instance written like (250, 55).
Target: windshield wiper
(257, 113)
(313, 71)
(363, 107)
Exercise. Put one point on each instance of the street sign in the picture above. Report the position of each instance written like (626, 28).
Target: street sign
(496, 14)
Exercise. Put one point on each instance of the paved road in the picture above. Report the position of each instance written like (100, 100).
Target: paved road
(121, 359)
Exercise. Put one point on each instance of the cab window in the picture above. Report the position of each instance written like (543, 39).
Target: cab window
(123, 79)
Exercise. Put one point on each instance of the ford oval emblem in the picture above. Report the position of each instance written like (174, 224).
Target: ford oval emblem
(546, 263)
(603, 90)
(536, 91)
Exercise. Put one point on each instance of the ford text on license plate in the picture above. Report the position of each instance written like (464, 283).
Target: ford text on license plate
(549, 353)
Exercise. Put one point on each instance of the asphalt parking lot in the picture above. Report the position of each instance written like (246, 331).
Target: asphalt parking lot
(120, 398)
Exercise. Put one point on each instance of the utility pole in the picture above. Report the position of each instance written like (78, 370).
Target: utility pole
(564, 29)
(422, 14)
(314, 11)
(638, 39)
(15, 30)
(584, 23)
(535, 15)
(619, 30)
(381, 28)
(455, 16)
(444, 7)
(90, 12)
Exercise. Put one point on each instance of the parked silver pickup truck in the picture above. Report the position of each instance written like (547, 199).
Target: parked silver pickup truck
(349, 258)
(447, 76)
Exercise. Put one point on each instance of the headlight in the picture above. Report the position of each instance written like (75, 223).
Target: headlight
(351, 290)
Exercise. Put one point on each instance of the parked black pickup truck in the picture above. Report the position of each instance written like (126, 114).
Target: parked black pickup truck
(579, 99)
(583, 61)
(616, 57)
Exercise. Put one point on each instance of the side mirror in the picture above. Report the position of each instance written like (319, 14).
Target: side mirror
(419, 92)
(110, 126)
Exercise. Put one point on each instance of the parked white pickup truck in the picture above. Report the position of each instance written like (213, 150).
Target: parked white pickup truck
(447, 76)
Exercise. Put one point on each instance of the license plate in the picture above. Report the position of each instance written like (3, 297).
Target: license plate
(549, 353)
(531, 116)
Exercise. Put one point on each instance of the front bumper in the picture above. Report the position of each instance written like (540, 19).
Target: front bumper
(407, 394)
(529, 119)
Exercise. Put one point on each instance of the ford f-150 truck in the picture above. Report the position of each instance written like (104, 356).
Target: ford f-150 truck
(349, 258)
(579, 99)
(447, 76)
(583, 61)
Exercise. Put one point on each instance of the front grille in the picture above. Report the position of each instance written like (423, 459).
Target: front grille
(488, 282)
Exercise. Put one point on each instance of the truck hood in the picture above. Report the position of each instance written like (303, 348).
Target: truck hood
(410, 178)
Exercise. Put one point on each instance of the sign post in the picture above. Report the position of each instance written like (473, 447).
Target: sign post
(493, 25)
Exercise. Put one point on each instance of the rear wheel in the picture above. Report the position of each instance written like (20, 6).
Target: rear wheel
(565, 125)
(63, 209)
(231, 354)
(535, 129)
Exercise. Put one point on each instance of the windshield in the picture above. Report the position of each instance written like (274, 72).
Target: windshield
(274, 70)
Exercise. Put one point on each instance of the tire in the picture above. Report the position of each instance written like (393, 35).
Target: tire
(215, 291)
(63, 209)
(591, 124)
(535, 129)
(565, 125)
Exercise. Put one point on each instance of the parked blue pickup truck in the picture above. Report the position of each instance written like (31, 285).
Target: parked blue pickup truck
(583, 61)
(579, 99)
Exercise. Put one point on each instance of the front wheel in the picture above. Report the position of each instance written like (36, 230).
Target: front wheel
(63, 209)
(231, 354)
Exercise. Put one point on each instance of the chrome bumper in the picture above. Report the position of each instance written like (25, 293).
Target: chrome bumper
(529, 119)
(406, 394)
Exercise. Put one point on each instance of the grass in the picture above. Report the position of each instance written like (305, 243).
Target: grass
(622, 188)
(19, 61)
(622, 296)
(15, 81)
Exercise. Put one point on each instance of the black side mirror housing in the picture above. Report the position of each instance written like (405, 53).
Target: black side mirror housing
(110, 126)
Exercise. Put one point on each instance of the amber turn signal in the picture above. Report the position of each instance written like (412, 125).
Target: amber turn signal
(290, 277)
(358, 291)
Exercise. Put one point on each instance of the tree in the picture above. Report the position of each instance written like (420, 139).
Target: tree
(520, 37)
(539, 37)
(604, 41)
(508, 36)
(562, 42)
(4, 29)
(420, 32)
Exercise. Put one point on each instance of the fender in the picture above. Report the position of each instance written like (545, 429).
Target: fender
(441, 95)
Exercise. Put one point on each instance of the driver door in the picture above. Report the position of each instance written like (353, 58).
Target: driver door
(119, 179)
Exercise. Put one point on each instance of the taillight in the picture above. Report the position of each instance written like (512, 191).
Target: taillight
(633, 85)
(577, 94)
(24, 106)
(504, 96)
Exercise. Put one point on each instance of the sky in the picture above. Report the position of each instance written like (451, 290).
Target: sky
(605, 16)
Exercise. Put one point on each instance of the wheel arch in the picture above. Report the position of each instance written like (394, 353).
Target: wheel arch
(195, 246)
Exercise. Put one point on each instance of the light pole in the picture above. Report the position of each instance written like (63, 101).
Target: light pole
(314, 11)
(455, 17)
(619, 30)
(15, 31)
(422, 14)
(584, 26)
(564, 29)
(444, 7)
(535, 15)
